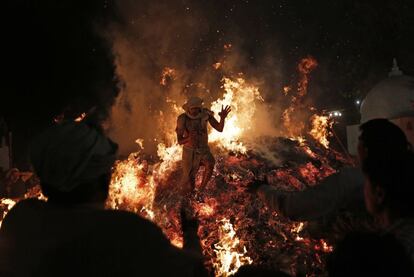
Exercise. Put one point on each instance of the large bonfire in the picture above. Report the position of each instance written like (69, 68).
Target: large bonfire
(235, 228)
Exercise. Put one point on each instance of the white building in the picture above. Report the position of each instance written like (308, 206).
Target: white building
(392, 98)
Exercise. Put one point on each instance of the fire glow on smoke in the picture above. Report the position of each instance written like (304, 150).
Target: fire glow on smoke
(141, 188)
(229, 217)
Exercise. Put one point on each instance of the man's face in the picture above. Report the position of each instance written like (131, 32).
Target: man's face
(194, 111)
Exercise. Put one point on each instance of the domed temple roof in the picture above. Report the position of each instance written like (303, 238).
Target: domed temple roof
(390, 98)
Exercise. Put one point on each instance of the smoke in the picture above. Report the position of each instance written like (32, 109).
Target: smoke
(170, 36)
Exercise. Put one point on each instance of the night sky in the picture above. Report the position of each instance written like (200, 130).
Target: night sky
(54, 48)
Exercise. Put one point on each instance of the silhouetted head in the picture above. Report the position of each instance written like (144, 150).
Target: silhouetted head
(381, 136)
(389, 183)
(73, 162)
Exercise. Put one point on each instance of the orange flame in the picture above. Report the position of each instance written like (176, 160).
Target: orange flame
(229, 257)
(305, 67)
(80, 118)
(241, 96)
(286, 89)
(293, 125)
(131, 188)
(321, 126)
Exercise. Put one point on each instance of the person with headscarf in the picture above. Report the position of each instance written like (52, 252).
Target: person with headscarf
(192, 134)
(71, 234)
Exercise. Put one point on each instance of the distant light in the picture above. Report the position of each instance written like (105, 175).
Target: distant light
(358, 102)
(340, 114)
(330, 114)
(336, 113)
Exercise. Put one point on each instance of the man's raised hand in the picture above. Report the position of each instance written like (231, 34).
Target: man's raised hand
(224, 111)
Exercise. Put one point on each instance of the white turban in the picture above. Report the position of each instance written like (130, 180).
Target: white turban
(193, 102)
(70, 154)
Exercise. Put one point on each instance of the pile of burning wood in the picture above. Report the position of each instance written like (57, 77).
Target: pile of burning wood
(235, 228)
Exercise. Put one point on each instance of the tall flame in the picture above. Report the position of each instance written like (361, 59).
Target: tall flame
(305, 67)
(293, 125)
(321, 126)
(170, 156)
(131, 188)
(241, 97)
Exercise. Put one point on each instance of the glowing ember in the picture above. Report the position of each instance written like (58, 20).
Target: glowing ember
(167, 74)
(296, 229)
(241, 97)
(326, 247)
(320, 129)
(80, 118)
(206, 209)
(286, 89)
(216, 66)
(140, 143)
(229, 255)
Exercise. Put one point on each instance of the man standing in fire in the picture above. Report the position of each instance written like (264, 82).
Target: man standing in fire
(192, 134)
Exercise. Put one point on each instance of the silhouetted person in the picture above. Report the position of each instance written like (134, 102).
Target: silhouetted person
(389, 190)
(71, 234)
(368, 254)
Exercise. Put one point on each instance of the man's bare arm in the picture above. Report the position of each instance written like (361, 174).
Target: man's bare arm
(219, 126)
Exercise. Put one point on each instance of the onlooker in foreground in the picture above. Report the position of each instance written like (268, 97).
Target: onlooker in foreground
(389, 189)
(71, 234)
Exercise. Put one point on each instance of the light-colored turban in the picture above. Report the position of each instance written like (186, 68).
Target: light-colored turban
(70, 154)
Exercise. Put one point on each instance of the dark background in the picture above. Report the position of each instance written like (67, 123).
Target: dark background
(55, 58)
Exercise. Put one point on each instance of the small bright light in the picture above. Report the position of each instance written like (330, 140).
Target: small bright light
(336, 113)
(358, 102)
(340, 114)
(330, 114)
